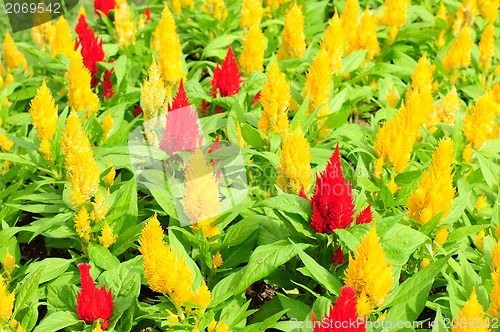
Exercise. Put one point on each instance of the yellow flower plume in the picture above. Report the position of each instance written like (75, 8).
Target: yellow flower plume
(251, 13)
(62, 43)
(81, 97)
(13, 57)
(293, 41)
(254, 44)
(107, 237)
(124, 24)
(334, 43)
(6, 301)
(471, 311)
(479, 121)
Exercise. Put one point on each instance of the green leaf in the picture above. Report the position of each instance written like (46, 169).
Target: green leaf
(57, 321)
(28, 291)
(415, 283)
(288, 203)
(265, 260)
(52, 267)
(317, 272)
(490, 170)
(400, 242)
(352, 61)
(239, 232)
(251, 135)
(101, 257)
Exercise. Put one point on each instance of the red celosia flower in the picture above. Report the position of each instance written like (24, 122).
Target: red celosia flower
(227, 78)
(180, 99)
(332, 202)
(338, 257)
(107, 85)
(147, 13)
(137, 110)
(343, 315)
(181, 132)
(365, 217)
(303, 193)
(93, 303)
(256, 99)
(104, 6)
(91, 48)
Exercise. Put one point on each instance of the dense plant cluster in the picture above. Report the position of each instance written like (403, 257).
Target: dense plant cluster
(250, 165)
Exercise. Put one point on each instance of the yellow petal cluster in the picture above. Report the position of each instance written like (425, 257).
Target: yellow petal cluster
(275, 100)
(82, 224)
(44, 114)
(489, 9)
(395, 13)
(367, 35)
(124, 24)
(318, 84)
(80, 95)
(479, 121)
(62, 43)
(487, 47)
(447, 109)
(217, 260)
(5, 143)
(294, 169)
(369, 273)
(100, 206)
(494, 309)
(43, 33)
(293, 40)
(350, 22)
(334, 43)
(472, 311)
(6, 301)
(13, 57)
(80, 163)
(435, 190)
(252, 57)
(422, 77)
(110, 177)
(166, 41)
(251, 13)
(392, 97)
(216, 8)
(8, 263)
(165, 271)
(441, 236)
(395, 148)
(107, 237)
(201, 199)
(459, 54)
(153, 93)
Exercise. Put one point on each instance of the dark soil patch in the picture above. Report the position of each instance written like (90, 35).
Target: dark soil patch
(260, 293)
(429, 314)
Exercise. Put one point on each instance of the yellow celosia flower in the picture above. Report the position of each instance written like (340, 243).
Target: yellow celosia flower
(294, 169)
(479, 122)
(487, 47)
(82, 169)
(100, 206)
(369, 273)
(44, 114)
(467, 154)
(442, 11)
(435, 190)
(110, 177)
(6, 301)
(153, 93)
(82, 224)
(480, 204)
(392, 186)
(217, 260)
(395, 13)
(252, 57)
(367, 34)
(251, 13)
(471, 311)
(489, 9)
(441, 236)
(201, 199)
(107, 125)
(495, 253)
(422, 77)
(81, 97)
(272, 4)
(241, 141)
(395, 148)
(440, 41)
(82, 11)
(13, 57)
(275, 100)
(479, 240)
(5, 143)
(318, 84)
(425, 262)
(459, 54)
(166, 41)
(15, 324)
(350, 22)
(43, 29)
(166, 273)
(216, 8)
(334, 43)
(494, 310)
(202, 296)
(97, 328)
(211, 326)
(8, 263)
(447, 109)
(107, 237)
(62, 43)
(293, 40)
(392, 97)
(124, 25)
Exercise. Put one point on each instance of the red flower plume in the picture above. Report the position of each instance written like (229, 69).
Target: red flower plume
(91, 48)
(180, 99)
(181, 131)
(227, 78)
(338, 257)
(365, 217)
(147, 13)
(137, 110)
(343, 315)
(104, 6)
(332, 201)
(93, 303)
(107, 85)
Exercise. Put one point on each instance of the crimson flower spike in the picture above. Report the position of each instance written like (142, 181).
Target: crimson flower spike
(227, 78)
(332, 201)
(104, 6)
(93, 303)
(91, 48)
(365, 217)
(147, 13)
(180, 99)
(343, 315)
